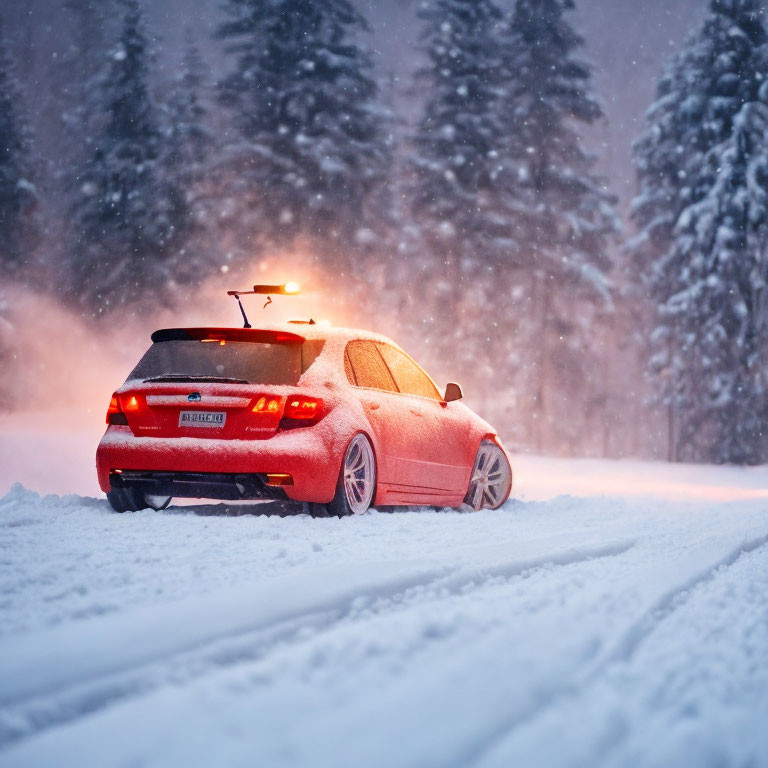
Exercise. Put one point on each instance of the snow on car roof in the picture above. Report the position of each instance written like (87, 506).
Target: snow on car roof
(330, 332)
(304, 330)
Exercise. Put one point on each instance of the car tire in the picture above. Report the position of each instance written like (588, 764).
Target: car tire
(356, 486)
(491, 481)
(125, 500)
(318, 510)
(130, 500)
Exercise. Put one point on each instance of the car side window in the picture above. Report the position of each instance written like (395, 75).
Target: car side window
(410, 379)
(368, 368)
(348, 369)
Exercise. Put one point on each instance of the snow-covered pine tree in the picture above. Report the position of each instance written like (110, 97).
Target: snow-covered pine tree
(310, 151)
(701, 246)
(123, 212)
(78, 76)
(190, 135)
(82, 69)
(17, 192)
(723, 311)
(455, 162)
(459, 224)
(188, 163)
(564, 213)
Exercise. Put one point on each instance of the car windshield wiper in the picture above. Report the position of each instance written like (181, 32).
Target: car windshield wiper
(187, 377)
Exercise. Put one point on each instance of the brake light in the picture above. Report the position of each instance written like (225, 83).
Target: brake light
(303, 408)
(132, 404)
(301, 412)
(267, 405)
(115, 413)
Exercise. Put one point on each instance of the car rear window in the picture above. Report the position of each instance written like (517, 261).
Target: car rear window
(245, 361)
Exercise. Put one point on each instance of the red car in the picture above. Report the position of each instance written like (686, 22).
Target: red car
(337, 418)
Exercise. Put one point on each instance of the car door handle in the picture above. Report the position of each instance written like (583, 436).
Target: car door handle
(373, 406)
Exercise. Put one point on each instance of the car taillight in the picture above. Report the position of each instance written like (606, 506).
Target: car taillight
(115, 413)
(301, 408)
(301, 411)
(267, 405)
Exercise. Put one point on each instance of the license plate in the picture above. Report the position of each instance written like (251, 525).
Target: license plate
(202, 419)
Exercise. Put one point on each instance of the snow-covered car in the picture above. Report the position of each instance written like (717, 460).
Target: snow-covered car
(340, 419)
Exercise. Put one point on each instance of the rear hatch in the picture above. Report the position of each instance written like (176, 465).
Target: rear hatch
(215, 383)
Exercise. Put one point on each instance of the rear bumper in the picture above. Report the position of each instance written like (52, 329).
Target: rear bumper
(310, 459)
(196, 485)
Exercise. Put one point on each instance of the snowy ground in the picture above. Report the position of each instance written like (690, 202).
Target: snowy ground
(624, 624)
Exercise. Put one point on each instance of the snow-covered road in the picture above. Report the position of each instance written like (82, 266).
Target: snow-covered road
(629, 629)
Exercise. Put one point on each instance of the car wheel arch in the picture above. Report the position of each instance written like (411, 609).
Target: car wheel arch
(491, 437)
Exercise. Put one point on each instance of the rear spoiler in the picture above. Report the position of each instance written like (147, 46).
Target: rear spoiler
(254, 335)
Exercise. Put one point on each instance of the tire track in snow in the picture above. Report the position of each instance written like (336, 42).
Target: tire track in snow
(673, 599)
(32, 702)
(622, 651)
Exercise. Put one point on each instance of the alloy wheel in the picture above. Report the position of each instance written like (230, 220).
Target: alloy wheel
(359, 474)
(491, 480)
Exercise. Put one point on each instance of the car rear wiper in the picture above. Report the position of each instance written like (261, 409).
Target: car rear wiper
(187, 377)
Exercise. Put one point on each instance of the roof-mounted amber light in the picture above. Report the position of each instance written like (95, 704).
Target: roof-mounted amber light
(287, 289)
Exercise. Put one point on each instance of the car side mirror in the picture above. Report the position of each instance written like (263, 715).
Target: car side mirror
(453, 392)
